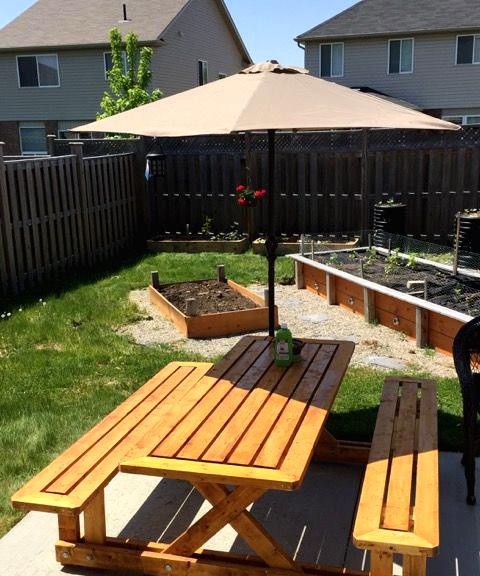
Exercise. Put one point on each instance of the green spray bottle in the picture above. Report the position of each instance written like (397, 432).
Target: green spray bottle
(283, 346)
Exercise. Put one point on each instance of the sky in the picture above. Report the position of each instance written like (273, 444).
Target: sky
(267, 27)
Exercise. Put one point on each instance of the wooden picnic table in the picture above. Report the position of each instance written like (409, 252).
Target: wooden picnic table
(242, 422)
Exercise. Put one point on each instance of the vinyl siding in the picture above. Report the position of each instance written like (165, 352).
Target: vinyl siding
(436, 81)
(200, 32)
(82, 83)
(205, 35)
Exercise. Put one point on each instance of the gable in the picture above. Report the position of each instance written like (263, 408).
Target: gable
(379, 17)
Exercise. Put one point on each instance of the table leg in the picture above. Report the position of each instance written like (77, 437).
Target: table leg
(214, 520)
(250, 530)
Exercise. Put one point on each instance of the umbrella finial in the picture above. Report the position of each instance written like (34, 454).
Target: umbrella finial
(273, 66)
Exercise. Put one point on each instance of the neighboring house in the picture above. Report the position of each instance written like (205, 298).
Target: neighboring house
(54, 58)
(426, 52)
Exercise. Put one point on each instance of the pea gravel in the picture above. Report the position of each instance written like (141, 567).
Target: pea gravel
(307, 316)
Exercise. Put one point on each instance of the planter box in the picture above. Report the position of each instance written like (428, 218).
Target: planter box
(217, 324)
(162, 244)
(429, 324)
(293, 247)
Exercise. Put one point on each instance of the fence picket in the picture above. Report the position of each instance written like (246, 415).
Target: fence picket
(317, 179)
(8, 274)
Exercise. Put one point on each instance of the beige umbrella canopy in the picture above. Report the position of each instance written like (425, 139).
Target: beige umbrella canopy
(265, 97)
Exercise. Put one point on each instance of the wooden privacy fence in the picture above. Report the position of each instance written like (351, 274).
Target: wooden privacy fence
(318, 190)
(62, 213)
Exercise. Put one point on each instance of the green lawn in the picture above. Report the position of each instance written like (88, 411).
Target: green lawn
(62, 366)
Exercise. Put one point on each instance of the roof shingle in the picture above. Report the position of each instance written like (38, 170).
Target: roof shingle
(50, 23)
(379, 17)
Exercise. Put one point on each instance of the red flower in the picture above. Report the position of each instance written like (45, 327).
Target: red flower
(240, 188)
(242, 201)
(259, 193)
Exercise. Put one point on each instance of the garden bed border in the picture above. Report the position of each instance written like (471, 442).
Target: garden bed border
(429, 324)
(196, 246)
(218, 324)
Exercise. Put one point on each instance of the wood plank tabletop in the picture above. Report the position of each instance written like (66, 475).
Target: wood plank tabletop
(246, 420)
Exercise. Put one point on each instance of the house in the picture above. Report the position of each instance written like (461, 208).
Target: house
(55, 55)
(426, 52)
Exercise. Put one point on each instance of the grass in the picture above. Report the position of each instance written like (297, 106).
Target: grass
(63, 366)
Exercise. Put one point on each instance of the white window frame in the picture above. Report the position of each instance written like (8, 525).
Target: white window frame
(452, 117)
(475, 36)
(204, 64)
(38, 71)
(26, 152)
(400, 61)
(331, 59)
(75, 135)
(124, 58)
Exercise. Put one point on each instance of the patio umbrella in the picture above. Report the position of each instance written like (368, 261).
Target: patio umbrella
(265, 97)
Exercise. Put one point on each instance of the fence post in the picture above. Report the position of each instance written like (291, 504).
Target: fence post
(142, 194)
(51, 144)
(7, 266)
(76, 148)
(364, 196)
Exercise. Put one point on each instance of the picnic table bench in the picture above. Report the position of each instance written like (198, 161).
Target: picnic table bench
(398, 506)
(242, 422)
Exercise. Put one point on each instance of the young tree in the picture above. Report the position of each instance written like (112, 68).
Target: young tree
(128, 84)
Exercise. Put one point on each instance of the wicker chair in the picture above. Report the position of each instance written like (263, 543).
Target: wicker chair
(466, 355)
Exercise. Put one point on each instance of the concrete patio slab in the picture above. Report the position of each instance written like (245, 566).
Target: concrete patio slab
(313, 523)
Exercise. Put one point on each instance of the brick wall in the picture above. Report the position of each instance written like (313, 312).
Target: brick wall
(9, 134)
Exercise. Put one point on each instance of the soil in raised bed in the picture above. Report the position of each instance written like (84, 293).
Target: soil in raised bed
(457, 293)
(212, 296)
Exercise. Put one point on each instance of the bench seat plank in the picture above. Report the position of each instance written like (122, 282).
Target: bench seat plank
(427, 504)
(77, 487)
(369, 512)
(396, 514)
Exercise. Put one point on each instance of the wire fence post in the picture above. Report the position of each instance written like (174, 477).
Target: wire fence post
(457, 245)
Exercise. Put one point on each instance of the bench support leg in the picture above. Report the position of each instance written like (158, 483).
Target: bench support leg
(414, 565)
(381, 563)
(94, 520)
(68, 527)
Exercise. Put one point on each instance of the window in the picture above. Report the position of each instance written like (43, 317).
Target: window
(32, 138)
(331, 60)
(108, 64)
(400, 56)
(202, 72)
(468, 49)
(65, 126)
(463, 120)
(38, 71)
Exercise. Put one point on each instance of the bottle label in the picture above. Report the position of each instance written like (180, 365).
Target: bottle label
(282, 350)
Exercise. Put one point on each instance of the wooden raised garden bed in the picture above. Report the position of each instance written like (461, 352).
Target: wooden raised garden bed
(214, 324)
(294, 246)
(430, 324)
(196, 245)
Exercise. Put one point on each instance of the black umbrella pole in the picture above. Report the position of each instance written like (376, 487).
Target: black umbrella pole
(271, 243)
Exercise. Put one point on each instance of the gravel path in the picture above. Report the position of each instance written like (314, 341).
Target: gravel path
(307, 316)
